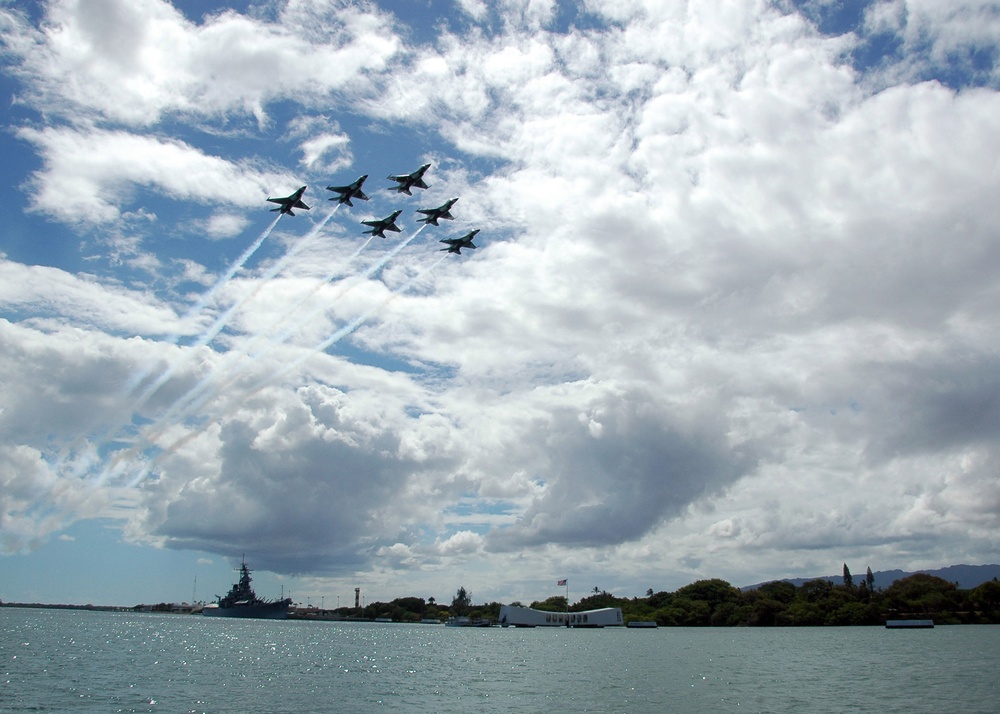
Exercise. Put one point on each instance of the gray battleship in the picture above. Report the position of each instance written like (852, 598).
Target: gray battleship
(242, 601)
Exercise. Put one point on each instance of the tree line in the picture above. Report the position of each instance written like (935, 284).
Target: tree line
(717, 603)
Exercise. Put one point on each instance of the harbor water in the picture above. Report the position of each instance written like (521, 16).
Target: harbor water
(85, 661)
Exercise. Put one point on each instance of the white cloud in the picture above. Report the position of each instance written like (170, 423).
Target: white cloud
(462, 543)
(133, 62)
(936, 39)
(476, 9)
(78, 299)
(89, 174)
(731, 315)
(225, 225)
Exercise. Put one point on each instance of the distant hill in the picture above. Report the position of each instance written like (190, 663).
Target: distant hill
(966, 576)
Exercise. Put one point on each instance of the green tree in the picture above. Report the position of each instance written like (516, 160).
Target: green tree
(714, 592)
(779, 590)
(986, 597)
(766, 605)
(800, 613)
(923, 594)
(462, 601)
(700, 600)
(848, 580)
(815, 590)
(689, 613)
(415, 606)
(598, 600)
(658, 600)
(850, 613)
(556, 603)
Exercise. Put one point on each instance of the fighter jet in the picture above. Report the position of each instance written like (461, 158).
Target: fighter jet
(408, 181)
(351, 190)
(290, 202)
(455, 245)
(384, 224)
(434, 214)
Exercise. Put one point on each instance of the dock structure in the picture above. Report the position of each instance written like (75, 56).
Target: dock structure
(909, 624)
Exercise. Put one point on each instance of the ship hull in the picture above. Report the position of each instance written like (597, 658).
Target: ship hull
(263, 611)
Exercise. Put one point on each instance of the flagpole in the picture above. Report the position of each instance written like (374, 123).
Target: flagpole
(567, 602)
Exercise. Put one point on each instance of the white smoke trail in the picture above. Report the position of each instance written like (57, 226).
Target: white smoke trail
(200, 393)
(195, 310)
(220, 323)
(209, 334)
(346, 329)
(340, 334)
(82, 465)
(357, 280)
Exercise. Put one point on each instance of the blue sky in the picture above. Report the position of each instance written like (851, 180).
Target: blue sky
(732, 311)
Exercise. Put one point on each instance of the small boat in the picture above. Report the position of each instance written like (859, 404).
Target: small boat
(242, 601)
(909, 624)
(642, 624)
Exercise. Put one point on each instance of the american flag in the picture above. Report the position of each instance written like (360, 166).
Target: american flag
(560, 582)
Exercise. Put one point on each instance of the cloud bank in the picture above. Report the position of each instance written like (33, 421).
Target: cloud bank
(733, 313)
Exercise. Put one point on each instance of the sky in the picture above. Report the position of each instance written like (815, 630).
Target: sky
(732, 311)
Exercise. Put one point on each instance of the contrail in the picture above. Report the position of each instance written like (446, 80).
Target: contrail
(346, 329)
(337, 269)
(200, 393)
(139, 377)
(324, 345)
(268, 275)
(193, 312)
(237, 264)
(220, 323)
(214, 329)
(196, 396)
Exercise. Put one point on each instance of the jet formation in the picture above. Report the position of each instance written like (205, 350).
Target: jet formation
(378, 227)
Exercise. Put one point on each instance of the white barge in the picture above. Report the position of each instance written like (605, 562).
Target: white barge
(517, 616)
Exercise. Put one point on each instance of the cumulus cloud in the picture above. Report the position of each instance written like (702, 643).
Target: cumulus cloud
(733, 312)
(81, 299)
(133, 62)
(90, 173)
(916, 40)
(225, 225)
